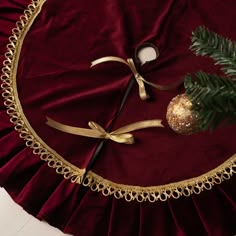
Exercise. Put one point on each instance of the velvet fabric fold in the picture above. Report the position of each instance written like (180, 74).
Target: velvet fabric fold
(54, 79)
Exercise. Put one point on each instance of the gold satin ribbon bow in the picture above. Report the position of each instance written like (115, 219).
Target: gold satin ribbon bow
(130, 63)
(120, 135)
(140, 80)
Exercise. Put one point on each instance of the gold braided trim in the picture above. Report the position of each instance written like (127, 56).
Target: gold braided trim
(162, 192)
(14, 108)
(96, 183)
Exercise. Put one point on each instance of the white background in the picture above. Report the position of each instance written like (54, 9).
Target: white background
(14, 221)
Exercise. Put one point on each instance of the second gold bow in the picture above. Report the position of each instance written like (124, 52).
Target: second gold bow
(120, 135)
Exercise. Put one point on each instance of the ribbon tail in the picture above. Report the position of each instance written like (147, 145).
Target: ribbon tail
(169, 87)
(108, 59)
(139, 125)
(142, 90)
(74, 130)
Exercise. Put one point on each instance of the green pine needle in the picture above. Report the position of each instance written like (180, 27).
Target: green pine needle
(213, 99)
(222, 50)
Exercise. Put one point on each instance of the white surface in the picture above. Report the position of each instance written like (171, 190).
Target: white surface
(147, 54)
(14, 221)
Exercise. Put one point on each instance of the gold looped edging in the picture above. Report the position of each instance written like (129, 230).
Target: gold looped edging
(11, 99)
(162, 192)
(69, 171)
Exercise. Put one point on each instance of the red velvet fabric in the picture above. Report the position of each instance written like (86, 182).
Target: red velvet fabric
(54, 79)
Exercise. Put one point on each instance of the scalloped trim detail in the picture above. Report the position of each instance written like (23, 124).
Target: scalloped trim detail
(11, 100)
(69, 171)
(162, 192)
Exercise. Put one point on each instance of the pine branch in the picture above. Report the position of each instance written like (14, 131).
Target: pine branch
(222, 50)
(213, 99)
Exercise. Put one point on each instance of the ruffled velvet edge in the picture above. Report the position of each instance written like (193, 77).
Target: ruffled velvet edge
(74, 209)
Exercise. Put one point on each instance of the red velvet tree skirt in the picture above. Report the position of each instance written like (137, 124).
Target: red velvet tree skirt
(164, 183)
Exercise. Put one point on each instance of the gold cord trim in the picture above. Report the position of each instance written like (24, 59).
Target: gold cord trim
(95, 182)
(120, 135)
(162, 192)
(14, 108)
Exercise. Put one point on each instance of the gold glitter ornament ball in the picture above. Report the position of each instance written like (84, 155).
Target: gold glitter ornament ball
(180, 117)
